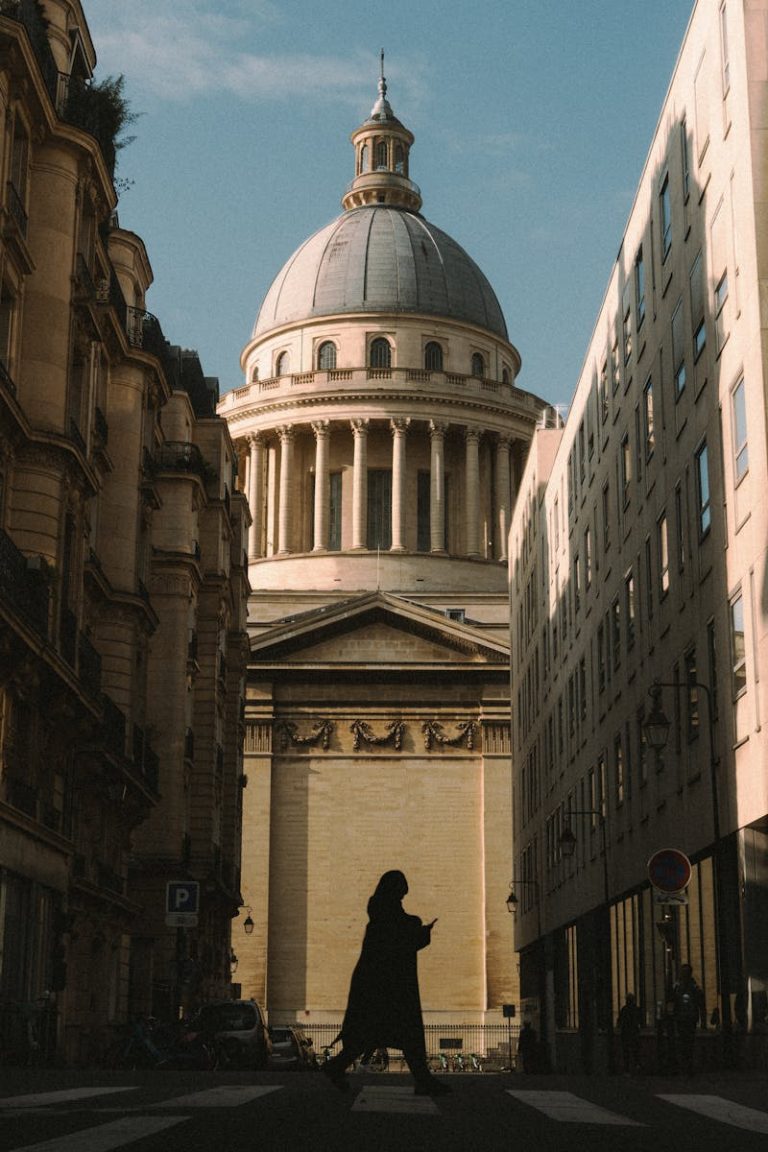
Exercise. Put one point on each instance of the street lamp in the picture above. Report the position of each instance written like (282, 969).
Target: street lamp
(248, 924)
(656, 729)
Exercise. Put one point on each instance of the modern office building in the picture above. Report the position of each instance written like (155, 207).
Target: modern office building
(382, 437)
(638, 596)
(123, 587)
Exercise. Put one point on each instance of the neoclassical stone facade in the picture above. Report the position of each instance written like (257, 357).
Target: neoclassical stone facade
(381, 438)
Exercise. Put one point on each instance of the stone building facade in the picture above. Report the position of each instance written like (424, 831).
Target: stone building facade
(382, 437)
(123, 586)
(638, 559)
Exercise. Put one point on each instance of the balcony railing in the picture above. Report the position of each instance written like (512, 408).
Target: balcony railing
(24, 587)
(144, 331)
(180, 456)
(16, 209)
(114, 726)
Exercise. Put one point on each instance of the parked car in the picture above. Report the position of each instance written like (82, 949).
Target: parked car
(239, 1030)
(292, 1048)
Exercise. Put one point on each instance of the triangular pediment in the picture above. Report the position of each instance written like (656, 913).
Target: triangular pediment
(380, 629)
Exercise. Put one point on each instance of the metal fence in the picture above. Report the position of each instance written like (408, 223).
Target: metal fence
(495, 1043)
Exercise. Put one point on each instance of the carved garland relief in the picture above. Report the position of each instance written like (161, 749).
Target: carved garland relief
(364, 736)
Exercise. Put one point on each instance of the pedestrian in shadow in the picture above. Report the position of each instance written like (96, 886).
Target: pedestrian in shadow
(384, 1006)
(688, 1012)
(527, 1047)
(629, 1023)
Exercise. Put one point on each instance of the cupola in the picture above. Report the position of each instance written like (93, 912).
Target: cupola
(382, 145)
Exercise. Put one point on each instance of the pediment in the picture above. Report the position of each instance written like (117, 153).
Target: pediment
(376, 629)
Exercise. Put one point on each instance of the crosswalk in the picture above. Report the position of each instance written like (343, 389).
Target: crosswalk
(135, 1121)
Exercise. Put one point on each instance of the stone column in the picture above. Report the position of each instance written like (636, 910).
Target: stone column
(360, 484)
(322, 489)
(399, 429)
(503, 497)
(255, 492)
(285, 432)
(437, 432)
(472, 491)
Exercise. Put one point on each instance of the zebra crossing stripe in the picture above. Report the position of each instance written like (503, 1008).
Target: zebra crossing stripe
(64, 1096)
(106, 1137)
(567, 1108)
(718, 1108)
(224, 1096)
(375, 1098)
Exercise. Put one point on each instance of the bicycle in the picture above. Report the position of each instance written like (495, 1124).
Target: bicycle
(477, 1065)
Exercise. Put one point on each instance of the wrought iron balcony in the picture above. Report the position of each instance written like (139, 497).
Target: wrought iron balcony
(24, 588)
(180, 456)
(16, 209)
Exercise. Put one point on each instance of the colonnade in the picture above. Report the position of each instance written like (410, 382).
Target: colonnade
(260, 480)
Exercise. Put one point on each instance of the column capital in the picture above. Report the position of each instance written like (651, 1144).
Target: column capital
(438, 427)
(400, 423)
(504, 443)
(472, 434)
(320, 427)
(255, 439)
(285, 432)
(359, 426)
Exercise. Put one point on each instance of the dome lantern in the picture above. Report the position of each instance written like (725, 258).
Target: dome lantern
(382, 146)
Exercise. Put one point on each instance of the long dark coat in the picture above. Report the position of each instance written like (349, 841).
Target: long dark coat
(384, 1006)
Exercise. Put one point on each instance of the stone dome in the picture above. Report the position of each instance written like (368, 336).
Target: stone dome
(380, 258)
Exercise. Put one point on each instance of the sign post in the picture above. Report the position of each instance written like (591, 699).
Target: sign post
(182, 903)
(669, 871)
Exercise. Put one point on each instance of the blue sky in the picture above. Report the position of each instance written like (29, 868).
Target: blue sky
(532, 119)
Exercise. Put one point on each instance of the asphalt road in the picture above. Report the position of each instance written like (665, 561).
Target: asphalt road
(68, 1111)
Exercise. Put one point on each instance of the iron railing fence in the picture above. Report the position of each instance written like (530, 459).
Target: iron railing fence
(492, 1042)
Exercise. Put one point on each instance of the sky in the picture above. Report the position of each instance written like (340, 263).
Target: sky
(532, 118)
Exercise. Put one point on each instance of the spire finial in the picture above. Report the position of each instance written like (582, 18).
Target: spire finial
(382, 79)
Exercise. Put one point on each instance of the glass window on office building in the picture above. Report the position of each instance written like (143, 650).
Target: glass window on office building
(740, 443)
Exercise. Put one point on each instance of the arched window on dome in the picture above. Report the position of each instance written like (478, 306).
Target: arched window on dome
(364, 158)
(478, 364)
(505, 377)
(326, 356)
(380, 353)
(433, 356)
(382, 157)
(399, 159)
(254, 374)
(282, 364)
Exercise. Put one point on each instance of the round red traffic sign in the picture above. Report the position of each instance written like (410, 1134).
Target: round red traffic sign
(669, 870)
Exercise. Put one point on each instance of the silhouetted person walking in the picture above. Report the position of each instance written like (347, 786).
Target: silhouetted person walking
(384, 1006)
(688, 1011)
(629, 1023)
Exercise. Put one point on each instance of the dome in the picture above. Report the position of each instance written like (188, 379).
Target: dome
(380, 258)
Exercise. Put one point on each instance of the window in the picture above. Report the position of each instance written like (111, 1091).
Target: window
(629, 608)
(587, 559)
(282, 364)
(712, 667)
(679, 527)
(738, 647)
(648, 578)
(606, 508)
(685, 160)
(379, 509)
(698, 320)
(618, 756)
(615, 367)
(721, 324)
(662, 538)
(603, 392)
(382, 159)
(625, 464)
(326, 356)
(380, 353)
(364, 158)
(640, 286)
(691, 695)
(665, 207)
(399, 159)
(701, 103)
(7, 328)
(678, 349)
(602, 670)
(576, 584)
(433, 356)
(583, 689)
(626, 326)
(642, 747)
(615, 634)
(478, 365)
(704, 509)
(649, 434)
(724, 59)
(740, 445)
